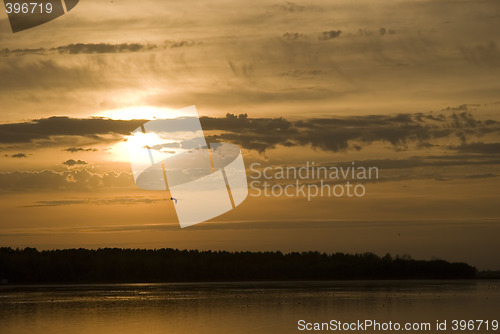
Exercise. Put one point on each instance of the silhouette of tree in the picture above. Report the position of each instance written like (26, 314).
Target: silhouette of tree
(113, 265)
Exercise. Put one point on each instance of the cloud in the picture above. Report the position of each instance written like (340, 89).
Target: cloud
(335, 134)
(80, 149)
(44, 73)
(19, 155)
(383, 31)
(343, 133)
(283, 224)
(85, 180)
(21, 52)
(74, 179)
(89, 48)
(482, 176)
(365, 76)
(81, 48)
(478, 147)
(131, 200)
(302, 73)
(97, 48)
(483, 54)
(292, 35)
(46, 128)
(181, 44)
(428, 161)
(326, 35)
(72, 162)
(462, 107)
(426, 167)
(291, 7)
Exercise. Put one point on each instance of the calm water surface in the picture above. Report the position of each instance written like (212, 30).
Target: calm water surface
(204, 308)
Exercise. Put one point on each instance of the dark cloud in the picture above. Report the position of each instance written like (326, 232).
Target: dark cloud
(462, 107)
(326, 35)
(421, 117)
(383, 31)
(343, 133)
(430, 167)
(19, 155)
(72, 162)
(481, 176)
(478, 147)
(428, 161)
(21, 52)
(89, 48)
(80, 149)
(96, 48)
(46, 128)
(331, 134)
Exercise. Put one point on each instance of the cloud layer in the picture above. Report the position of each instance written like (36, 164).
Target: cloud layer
(46, 128)
(353, 133)
(334, 134)
(75, 179)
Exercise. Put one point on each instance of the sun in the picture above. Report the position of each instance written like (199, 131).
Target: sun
(120, 152)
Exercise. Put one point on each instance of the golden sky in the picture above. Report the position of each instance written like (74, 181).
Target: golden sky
(410, 87)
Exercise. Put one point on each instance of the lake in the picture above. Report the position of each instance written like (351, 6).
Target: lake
(264, 307)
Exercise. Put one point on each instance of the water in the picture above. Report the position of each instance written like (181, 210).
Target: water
(234, 308)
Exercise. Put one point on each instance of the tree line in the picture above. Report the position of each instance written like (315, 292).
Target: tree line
(114, 265)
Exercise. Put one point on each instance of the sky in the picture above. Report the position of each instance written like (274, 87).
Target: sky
(409, 87)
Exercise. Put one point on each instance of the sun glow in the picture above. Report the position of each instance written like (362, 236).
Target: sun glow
(158, 145)
(141, 112)
(120, 152)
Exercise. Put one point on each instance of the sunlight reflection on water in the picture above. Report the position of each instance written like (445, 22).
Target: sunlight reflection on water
(238, 307)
